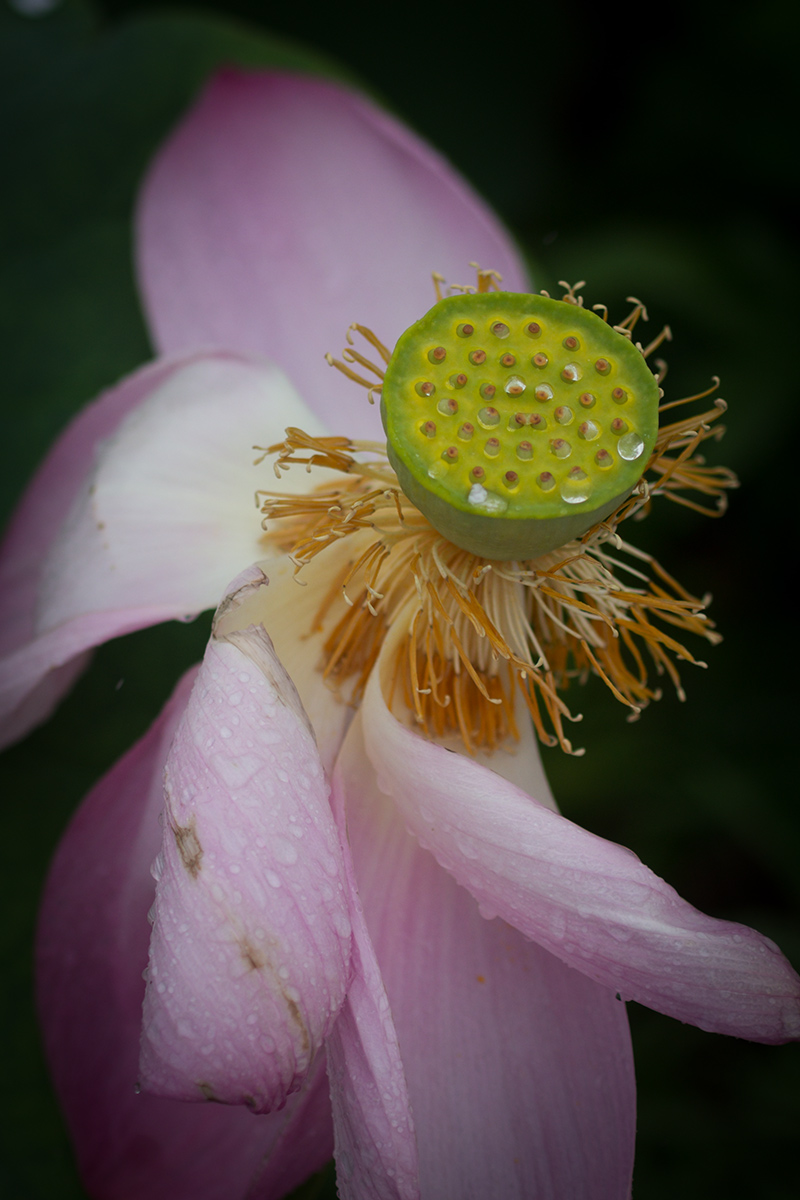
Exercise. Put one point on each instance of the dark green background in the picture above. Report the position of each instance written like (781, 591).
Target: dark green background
(660, 164)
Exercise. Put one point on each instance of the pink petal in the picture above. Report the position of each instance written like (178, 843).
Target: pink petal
(590, 902)
(142, 512)
(283, 208)
(286, 607)
(376, 1151)
(519, 1069)
(92, 949)
(250, 953)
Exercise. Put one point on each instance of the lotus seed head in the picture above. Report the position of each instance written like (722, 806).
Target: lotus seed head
(517, 491)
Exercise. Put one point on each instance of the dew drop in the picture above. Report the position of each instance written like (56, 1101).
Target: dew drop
(515, 385)
(630, 447)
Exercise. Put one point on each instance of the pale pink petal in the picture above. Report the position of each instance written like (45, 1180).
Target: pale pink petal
(519, 1069)
(287, 607)
(285, 207)
(376, 1151)
(142, 512)
(590, 902)
(91, 952)
(250, 953)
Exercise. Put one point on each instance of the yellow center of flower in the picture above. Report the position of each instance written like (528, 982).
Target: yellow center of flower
(516, 422)
(471, 632)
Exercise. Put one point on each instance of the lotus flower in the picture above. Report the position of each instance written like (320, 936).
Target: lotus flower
(360, 937)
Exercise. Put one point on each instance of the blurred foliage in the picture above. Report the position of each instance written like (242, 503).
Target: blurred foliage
(653, 162)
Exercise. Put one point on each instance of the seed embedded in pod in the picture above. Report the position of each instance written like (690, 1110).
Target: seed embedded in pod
(489, 416)
(543, 509)
(515, 386)
(437, 355)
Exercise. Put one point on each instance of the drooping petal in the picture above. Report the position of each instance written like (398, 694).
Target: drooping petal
(141, 513)
(590, 902)
(376, 1150)
(250, 953)
(519, 1069)
(91, 953)
(283, 208)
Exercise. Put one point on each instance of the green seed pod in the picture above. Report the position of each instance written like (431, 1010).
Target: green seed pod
(536, 468)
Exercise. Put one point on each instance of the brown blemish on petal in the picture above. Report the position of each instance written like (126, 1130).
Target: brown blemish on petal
(294, 1013)
(252, 956)
(235, 599)
(208, 1092)
(189, 847)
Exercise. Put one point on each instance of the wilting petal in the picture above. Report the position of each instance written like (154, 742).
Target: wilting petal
(590, 902)
(376, 1151)
(519, 1069)
(92, 950)
(142, 512)
(250, 953)
(283, 208)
